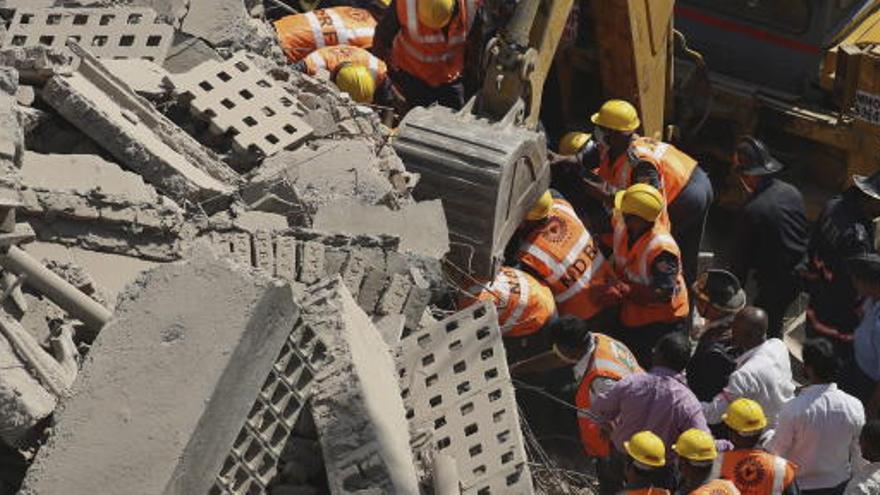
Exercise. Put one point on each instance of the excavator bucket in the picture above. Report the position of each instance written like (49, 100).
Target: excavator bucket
(487, 174)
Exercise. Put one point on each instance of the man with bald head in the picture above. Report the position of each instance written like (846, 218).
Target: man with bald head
(763, 371)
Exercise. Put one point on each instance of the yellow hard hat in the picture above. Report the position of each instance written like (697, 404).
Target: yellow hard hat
(696, 445)
(435, 14)
(646, 448)
(641, 200)
(745, 417)
(617, 115)
(541, 208)
(357, 81)
(572, 142)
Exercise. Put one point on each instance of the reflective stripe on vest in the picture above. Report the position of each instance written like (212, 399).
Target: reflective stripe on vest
(317, 32)
(779, 466)
(521, 303)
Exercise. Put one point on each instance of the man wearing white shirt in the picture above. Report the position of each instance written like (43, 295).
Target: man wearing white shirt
(819, 429)
(866, 481)
(763, 372)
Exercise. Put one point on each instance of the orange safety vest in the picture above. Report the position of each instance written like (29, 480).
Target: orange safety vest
(633, 265)
(717, 487)
(609, 359)
(673, 165)
(301, 34)
(436, 56)
(524, 304)
(331, 57)
(565, 257)
(754, 472)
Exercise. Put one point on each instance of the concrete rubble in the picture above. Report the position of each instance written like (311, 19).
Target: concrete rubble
(271, 279)
(146, 412)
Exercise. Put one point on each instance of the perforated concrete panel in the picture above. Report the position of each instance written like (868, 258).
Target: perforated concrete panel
(254, 458)
(454, 381)
(240, 99)
(120, 32)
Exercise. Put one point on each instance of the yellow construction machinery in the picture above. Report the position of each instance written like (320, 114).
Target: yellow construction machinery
(487, 162)
(804, 75)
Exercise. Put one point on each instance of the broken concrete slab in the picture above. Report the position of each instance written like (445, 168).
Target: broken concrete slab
(188, 52)
(106, 109)
(11, 130)
(111, 272)
(455, 383)
(23, 401)
(420, 226)
(240, 99)
(118, 32)
(84, 174)
(219, 22)
(36, 64)
(328, 172)
(356, 403)
(144, 77)
(269, 439)
(167, 384)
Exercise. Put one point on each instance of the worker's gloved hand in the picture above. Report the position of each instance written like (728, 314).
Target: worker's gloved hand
(612, 293)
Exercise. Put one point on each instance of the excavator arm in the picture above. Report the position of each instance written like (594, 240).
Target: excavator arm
(488, 161)
(519, 59)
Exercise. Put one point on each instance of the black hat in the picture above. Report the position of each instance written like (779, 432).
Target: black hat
(721, 289)
(754, 159)
(868, 185)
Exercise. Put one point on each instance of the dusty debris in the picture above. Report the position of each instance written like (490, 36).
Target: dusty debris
(145, 412)
(288, 195)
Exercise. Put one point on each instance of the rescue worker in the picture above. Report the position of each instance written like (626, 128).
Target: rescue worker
(844, 229)
(354, 71)
(770, 237)
(301, 34)
(646, 458)
(424, 43)
(524, 304)
(573, 142)
(553, 244)
(568, 177)
(696, 453)
(753, 470)
(719, 297)
(598, 363)
(622, 158)
(646, 259)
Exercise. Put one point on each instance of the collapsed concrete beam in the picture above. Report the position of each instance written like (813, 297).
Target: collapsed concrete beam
(356, 403)
(137, 135)
(169, 383)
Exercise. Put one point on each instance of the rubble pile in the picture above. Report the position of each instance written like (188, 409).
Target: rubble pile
(271, 280)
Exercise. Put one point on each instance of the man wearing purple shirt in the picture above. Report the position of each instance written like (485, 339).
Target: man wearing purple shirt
(657, 401)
